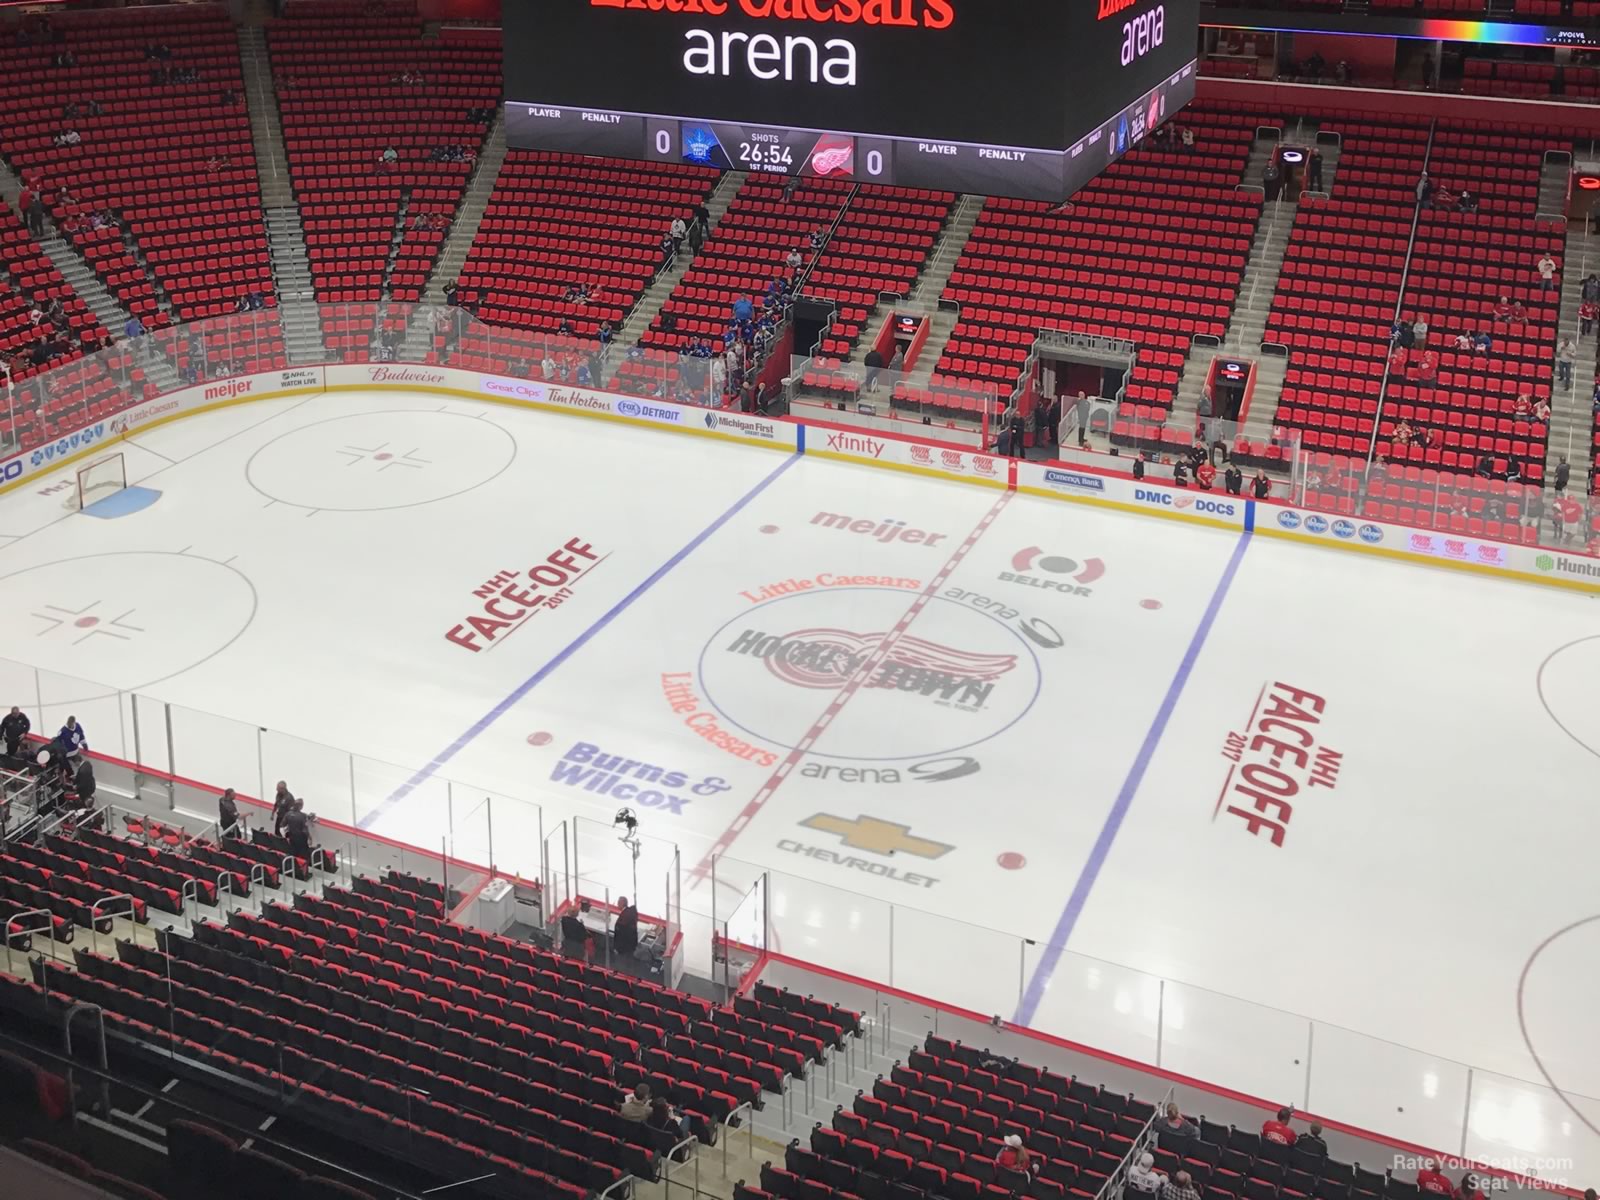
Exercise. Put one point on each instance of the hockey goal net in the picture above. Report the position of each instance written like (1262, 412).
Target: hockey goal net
(103, 477)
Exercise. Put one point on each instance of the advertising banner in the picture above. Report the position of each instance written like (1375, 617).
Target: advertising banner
(1139, 495)
(70, 447)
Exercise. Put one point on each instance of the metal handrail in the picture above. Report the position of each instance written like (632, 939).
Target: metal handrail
(666, 1169)
(190, 891)
(749, 1109)
(625, 1182)
(95, 914)
(47, 927)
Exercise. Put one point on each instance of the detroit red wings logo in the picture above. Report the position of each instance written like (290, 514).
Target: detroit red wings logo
(826, 658)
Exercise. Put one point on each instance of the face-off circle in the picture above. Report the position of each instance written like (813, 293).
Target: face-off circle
(124, 620)
(365, 462)
(952, 678)
(1566, 688)
(1555, 1010)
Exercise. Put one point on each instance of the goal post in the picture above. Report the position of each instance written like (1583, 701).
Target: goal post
(103, 477)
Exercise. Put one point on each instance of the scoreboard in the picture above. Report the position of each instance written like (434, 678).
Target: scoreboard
(1003, 97)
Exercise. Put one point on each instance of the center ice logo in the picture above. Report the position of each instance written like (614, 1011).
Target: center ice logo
(830, 658)
(870, 674)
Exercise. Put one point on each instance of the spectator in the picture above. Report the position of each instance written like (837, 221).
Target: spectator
(68, 137)
(1175, 1129)
(1522, 406)
(794, 259)
(1566, 513)
(1272, 180)
(791, 185)
(1014, 1165)
(1180, 474)
(1588, 310)
(1019, 435)
(1431, 1180)
(1261, 486)
(74, 741)
(1314, 171)
(282, 804)
(1404, 333)
(388, 158)
(1591, 287)
(1143, 1177)
(297, 828)
(606, 333)
(1482, 342)
(1563, 474)
(1205, 475)
(1277, 1130)
(83, 784)
(1546, 266)
(668, 246)
(818, 237)
(13, 729)
(697, 237)
(1187, 138)
(1312, 1141)
(228, 824)
(625, 933)
(1179, 1187)
(1566, 357)
(575, 936)
(1419, 332)
(1424, 189)
(678, 231)
(1541, 410)
(662, 1118)
(636, 1105)
(1233, 480)
(1466, 202)
(1428, 366)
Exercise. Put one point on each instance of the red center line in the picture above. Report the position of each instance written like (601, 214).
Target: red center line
(842, 697)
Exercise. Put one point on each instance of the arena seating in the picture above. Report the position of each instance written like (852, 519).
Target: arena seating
(1340, 285)
(172, 162)
(882, 244)
(1340, 290)
(27, 279)
(442, 1042)
(559, 220)
(744, 254)
(932, 1129)
(1152, 252)
(374, 229)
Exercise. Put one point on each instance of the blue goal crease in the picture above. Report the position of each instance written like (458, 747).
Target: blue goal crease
(479, 726)
(1050, 957)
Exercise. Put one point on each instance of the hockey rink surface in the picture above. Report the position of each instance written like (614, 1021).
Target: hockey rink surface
(1358, 791)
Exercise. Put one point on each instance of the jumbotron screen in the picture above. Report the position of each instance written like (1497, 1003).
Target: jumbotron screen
(1001, 97)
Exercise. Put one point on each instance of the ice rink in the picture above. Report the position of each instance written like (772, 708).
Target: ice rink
(1289, 812)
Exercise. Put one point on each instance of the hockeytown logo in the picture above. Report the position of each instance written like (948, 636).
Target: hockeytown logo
(829, 658)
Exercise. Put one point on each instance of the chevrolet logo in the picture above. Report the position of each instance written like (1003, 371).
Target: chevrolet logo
(878, 837)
